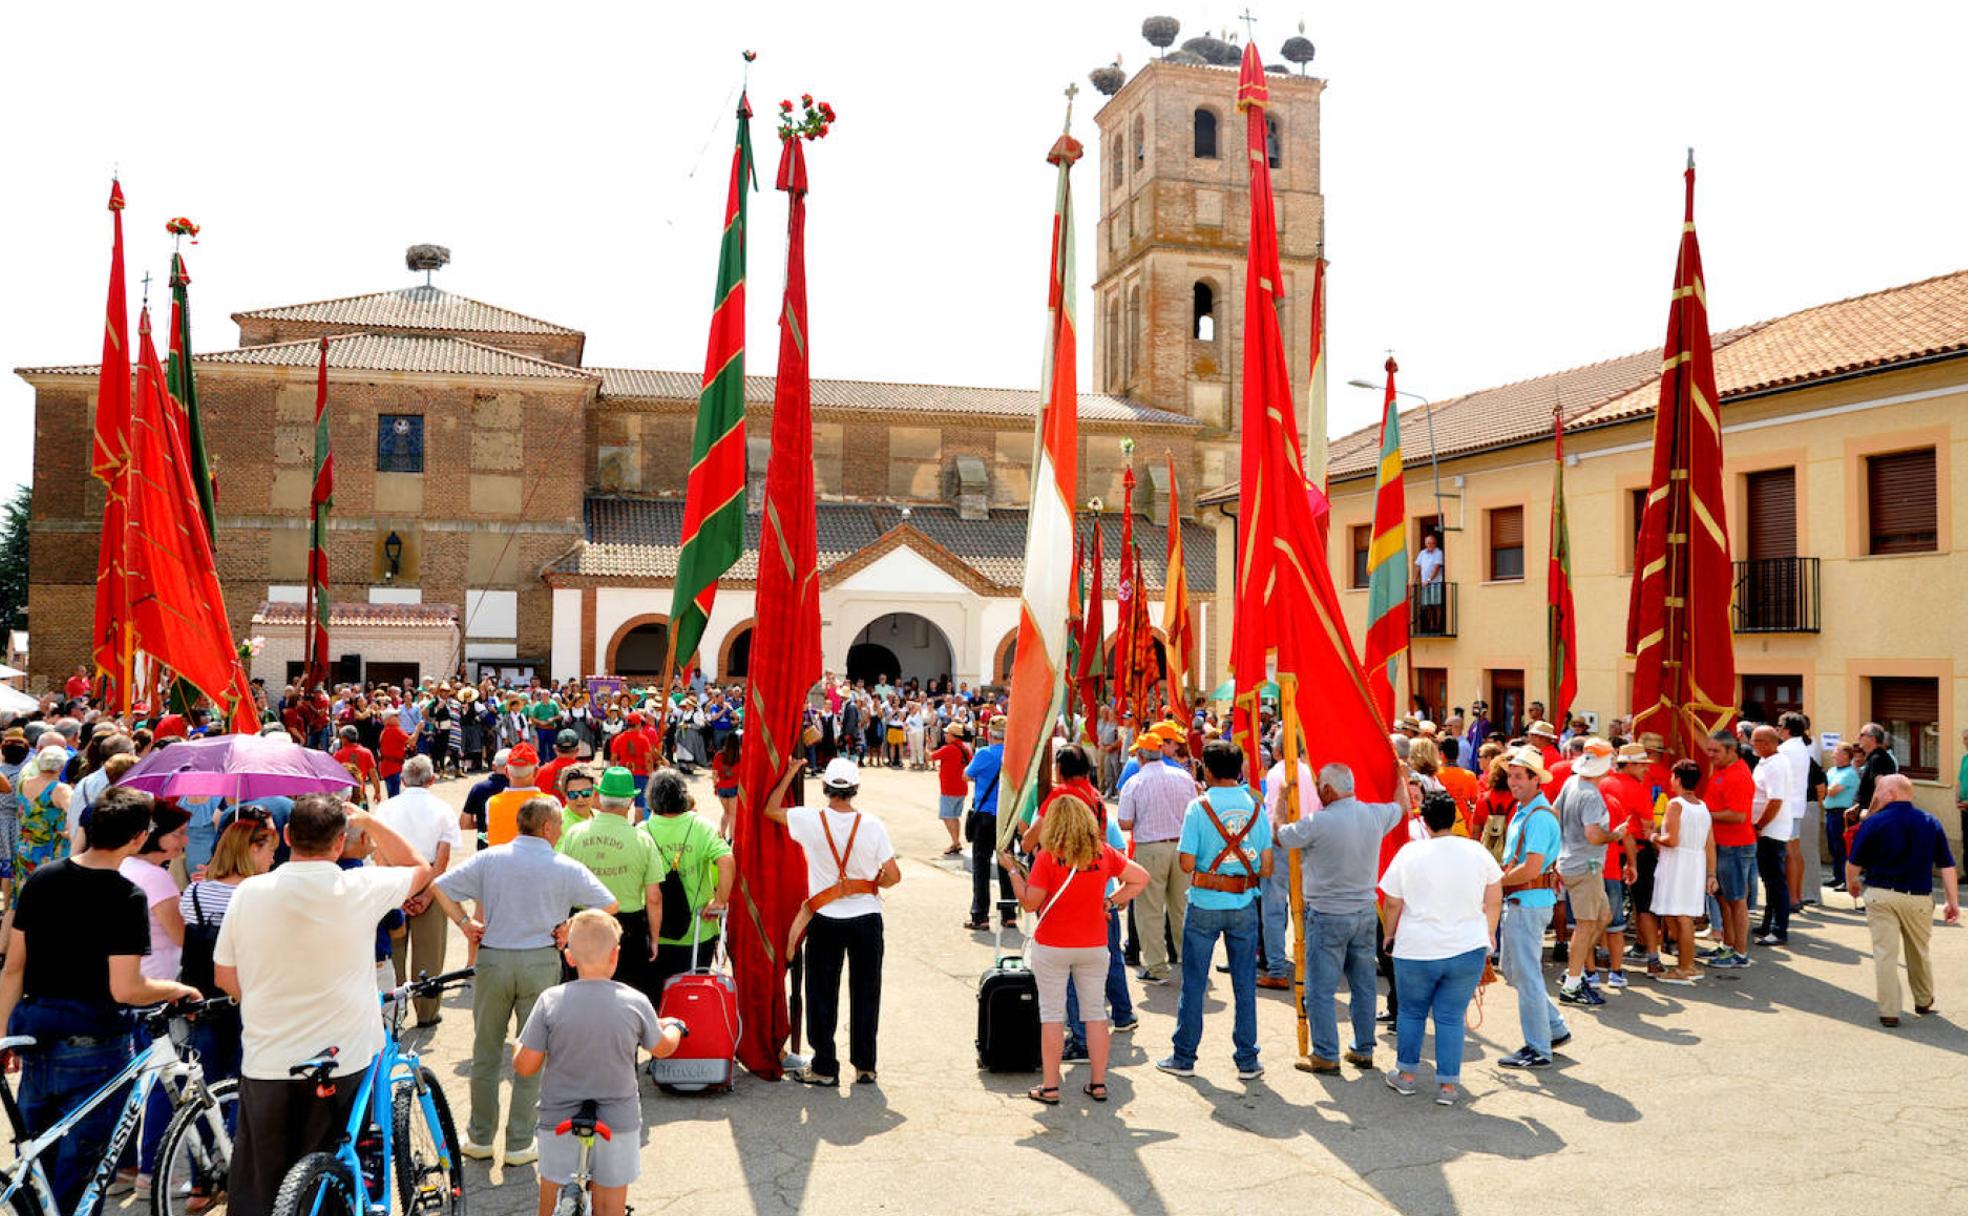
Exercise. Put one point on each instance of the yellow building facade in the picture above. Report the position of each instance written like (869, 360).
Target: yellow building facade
(1841, 427)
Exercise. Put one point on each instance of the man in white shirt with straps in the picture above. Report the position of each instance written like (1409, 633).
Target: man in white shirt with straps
(848, 859)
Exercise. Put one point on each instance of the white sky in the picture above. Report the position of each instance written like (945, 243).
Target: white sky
(1502, 181)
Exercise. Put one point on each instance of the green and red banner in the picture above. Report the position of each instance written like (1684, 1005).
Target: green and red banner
(1090, 671)
(320, 499)
(1678, 627)
(1387, 564)
(785, 660)
(1038, 686)
(109, 461)
(183, 387)
(714, 500)
(1562, 622)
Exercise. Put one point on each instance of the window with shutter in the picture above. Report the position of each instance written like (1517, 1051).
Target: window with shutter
(1910, 710)
(1637, 504)
(1901, 503)
(1771, 520)
(1362, 536)
(1506, 543)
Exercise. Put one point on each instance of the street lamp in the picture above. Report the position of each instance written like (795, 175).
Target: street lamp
(1428, 414)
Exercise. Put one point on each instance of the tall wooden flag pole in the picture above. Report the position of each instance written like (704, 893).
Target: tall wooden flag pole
(1037, 684)
(786, 658)
(1561, 618)
(320, 499)
(714, 499)
(1285, 600)
(109, 461)
(183, 384)
(1677, 625)
(1315, 396)
(1387, 564)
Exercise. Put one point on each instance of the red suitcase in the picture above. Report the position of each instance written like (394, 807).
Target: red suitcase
(705, 1000)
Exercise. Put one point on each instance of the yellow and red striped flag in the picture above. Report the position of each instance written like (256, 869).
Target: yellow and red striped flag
(1181, 644)
(1387, 564)
(1037, 675)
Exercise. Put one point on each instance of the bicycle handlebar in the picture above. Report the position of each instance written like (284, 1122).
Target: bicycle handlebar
(191, 1011)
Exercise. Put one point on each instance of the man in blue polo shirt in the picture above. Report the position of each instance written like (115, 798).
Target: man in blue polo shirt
(1530, 846)
(1225, 848)
(1894, 855)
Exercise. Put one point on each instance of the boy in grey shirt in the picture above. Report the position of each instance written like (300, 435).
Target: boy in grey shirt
(584, 1034)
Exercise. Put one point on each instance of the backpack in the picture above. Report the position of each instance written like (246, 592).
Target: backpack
(201, 937)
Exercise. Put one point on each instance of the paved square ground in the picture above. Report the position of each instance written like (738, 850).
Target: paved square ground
(1769, 1090)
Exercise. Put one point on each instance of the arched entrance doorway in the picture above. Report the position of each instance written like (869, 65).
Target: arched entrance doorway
(900, 646)
(737, 661)
(638, 649)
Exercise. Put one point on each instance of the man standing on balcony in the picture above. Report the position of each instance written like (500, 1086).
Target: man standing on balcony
(1428, 572)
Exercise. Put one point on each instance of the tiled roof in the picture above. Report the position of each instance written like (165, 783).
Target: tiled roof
(359, 614)
(644, 384)
(1898, 325)
(373, 353)
(428, 308)
(637, 538)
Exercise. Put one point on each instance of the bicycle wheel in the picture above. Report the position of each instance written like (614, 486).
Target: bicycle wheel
(193, 1159)
(318, 1185)
(430, 1171)
(23, 1202)
(574, 1200)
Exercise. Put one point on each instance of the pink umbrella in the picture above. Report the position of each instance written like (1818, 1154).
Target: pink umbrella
(242, 767)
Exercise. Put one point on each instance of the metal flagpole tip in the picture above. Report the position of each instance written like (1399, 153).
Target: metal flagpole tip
(1691, 158)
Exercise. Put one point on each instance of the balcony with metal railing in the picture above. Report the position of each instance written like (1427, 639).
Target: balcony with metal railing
(1778, 595)
(1431, 610)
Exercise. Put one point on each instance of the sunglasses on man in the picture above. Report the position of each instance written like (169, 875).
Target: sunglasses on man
(583, 794)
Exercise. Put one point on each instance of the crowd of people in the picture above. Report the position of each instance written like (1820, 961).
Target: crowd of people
(594, 876)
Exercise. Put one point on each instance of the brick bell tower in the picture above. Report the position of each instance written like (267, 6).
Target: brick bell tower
(1174, 224)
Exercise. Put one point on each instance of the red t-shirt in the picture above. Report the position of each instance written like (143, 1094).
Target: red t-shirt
(950, 761)
(77, 686)
(548, 778)
(392, 746)
(361, 757)
(1078, 788)
(1731, 789)
(1626, 802)
(635, 748)
(724, 773)
(1077, 915)
(1559, 770)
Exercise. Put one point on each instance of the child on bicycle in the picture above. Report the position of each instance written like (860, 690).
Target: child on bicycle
(584, 1034)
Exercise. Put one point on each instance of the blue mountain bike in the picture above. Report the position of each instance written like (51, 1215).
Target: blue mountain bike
(400, 1130)
(194, 1154)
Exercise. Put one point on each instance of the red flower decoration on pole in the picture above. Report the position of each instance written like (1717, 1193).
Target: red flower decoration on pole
(811, 122)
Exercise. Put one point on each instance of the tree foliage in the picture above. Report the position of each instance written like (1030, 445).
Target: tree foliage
(14, 518)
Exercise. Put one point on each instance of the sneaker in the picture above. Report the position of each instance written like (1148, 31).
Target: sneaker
(1616, 979)
(477, 1152)
(1654, 967)
(1524, 1057)
(1712, 952)
(1561, 1040)
(806, 1076)
(1075, 1053)
(1149, 977)
(1318, 1064)
(1742, 960)
(1636, 953)
(1772, 939)
(1403, 1085)
(1581, 994)
(1724, 961)
(1250, 1074)
(1174, 1069)
(521, 1156)
(1445, 1095)
(1561, 953)
(865, 1076)
(1123, 1027)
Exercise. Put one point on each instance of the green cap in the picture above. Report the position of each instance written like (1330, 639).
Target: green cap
(617, 782)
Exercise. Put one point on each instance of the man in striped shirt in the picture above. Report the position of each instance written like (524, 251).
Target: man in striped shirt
(1152, 807)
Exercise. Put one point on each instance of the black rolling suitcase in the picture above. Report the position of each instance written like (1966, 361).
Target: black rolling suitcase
(1007, 1011)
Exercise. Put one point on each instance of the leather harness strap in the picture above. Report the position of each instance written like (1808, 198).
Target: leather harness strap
(843, 886)
(1207, 877)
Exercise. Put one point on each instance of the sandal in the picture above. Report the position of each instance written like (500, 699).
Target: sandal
(1097, 1090)
(1038, 1094)
(953, 850)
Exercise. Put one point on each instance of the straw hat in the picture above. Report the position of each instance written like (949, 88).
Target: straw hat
(468, 694)
(1541, 729)
(1632, 753)
(1531, 759)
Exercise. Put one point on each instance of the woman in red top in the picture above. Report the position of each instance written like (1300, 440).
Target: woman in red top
(390, 749)
(724, 779)
(1068, 889)
(951, 785)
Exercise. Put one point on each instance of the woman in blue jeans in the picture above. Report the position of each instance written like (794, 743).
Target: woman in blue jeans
(1444, 897)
